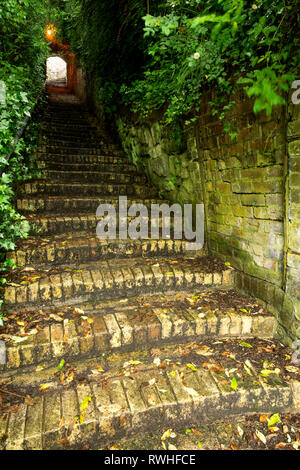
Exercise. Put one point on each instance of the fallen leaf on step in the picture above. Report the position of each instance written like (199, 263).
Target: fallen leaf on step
(192, 367)
(261, 436)
(78, 311)
(45, 387)
(263, 418)
(56, 317)
(166, 434)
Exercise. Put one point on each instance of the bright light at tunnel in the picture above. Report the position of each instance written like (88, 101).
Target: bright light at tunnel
(56, 69)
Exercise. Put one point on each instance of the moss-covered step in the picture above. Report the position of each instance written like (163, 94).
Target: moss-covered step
(92, 403)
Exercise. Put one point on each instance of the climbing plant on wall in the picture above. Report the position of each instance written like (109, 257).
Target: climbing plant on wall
(217, 44)
(155, 54)
(23, 52)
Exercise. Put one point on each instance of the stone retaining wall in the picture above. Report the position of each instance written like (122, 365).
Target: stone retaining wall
(173, 168)
(251, 193)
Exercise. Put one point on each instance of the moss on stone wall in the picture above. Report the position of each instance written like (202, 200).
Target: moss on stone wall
(174, 171)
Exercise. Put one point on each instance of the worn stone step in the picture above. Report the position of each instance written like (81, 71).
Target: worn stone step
(71, 141)
(70, 144)
(138, 323)
(68, 115)
(68, 124)
(50, 123)
(51, 224)
(114, 279)
(57, 176)
(69, 109)
(69, 130)
(68, 120)
(85, 247)
(76, 150)
(96, 402)
(49, 129)
(65, 206)
(77, 189)
(50, 126)
(67, 159)
(118, 167)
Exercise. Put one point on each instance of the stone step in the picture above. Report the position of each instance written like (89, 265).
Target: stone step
(137, 324)
(56, 224)
(76, 150)
(71, 176)
(85, 247)
(49, 224)
(65, 206)
(67, 129)
(53, 137)
(68, 120)
(95, 403)
(52, 118)
(51, 122)
(113, 279)
(71, 141)
(117, 167)
(50, 126)
(82, 159)
(55, 108)
(67, 114)
(89, 190)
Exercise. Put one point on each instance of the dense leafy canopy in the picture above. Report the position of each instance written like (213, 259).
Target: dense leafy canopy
(164, 54)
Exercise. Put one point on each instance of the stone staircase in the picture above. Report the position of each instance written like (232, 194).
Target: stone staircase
(123, 318)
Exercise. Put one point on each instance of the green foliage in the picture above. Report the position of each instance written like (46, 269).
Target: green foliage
(168, 57)
(107, 37)
(230, 38)
(23, 53)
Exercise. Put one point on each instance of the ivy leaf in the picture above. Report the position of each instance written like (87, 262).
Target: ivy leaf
(85, 403)
(192, 367)
(273, 419)
(234, 383)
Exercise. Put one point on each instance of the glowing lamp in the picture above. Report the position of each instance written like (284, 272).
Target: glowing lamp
(50, 32)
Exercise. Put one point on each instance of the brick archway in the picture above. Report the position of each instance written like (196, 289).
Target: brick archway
(56, 70)
(63, 51)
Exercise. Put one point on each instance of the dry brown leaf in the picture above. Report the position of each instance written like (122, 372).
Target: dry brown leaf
(263, 418)
(233, 445)
(122, 420)
(65, 442)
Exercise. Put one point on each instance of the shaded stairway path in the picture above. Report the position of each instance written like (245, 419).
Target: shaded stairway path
(94, 306)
